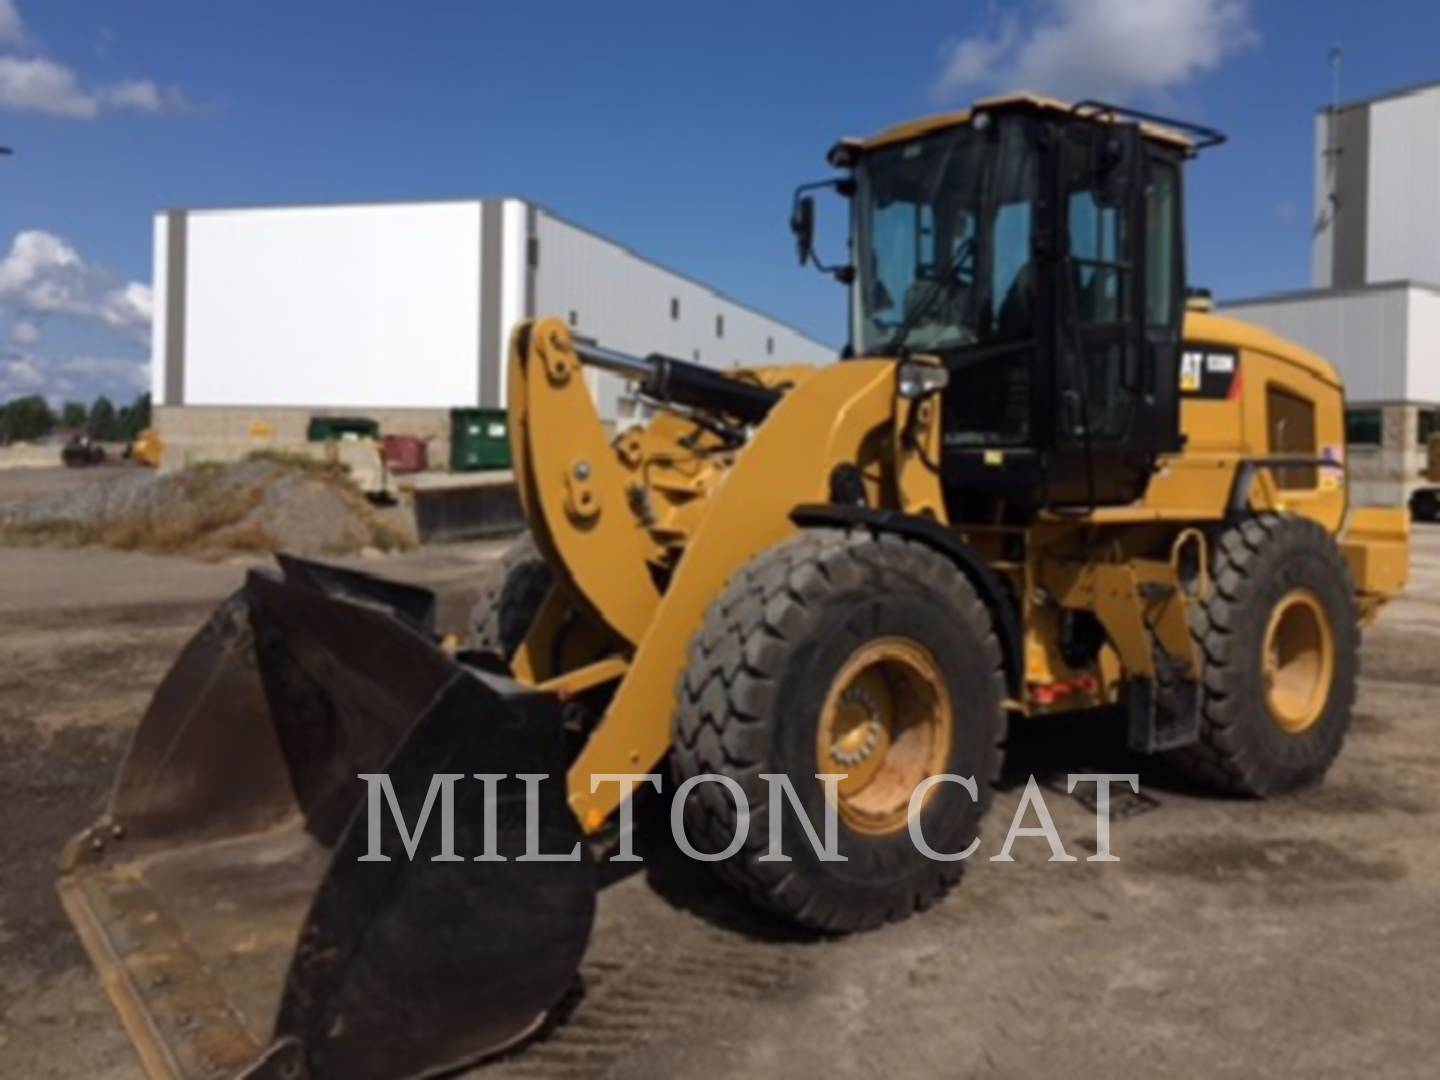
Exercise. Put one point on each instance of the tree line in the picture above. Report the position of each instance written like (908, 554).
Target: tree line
(29, 418)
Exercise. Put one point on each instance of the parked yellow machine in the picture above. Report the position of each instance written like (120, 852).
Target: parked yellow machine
(1036, 484)
(146, 448)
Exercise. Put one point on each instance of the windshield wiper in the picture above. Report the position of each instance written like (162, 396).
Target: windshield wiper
(944, 283)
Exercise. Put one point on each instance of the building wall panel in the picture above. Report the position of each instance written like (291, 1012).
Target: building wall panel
(409, 306)
(1363, 333)
(336, 306)
(159, 310)
(625, 302)
(1403, 239)
(1422, 381)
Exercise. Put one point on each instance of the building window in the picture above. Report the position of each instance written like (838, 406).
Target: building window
(769, 346)
(1364, 427)
(719, 326)
(674, 309)
(1426, 425)
(574, 319)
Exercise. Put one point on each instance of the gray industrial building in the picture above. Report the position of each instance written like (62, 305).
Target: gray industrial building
(1374, 306)
(399, 312)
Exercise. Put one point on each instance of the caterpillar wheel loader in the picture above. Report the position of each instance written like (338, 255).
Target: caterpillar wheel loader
(1037, 482)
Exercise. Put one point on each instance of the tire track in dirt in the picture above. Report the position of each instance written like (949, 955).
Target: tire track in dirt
(628, 1003)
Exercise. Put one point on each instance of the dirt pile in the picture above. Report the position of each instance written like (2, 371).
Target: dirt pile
(259, 505)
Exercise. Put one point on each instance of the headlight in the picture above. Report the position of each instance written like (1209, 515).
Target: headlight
(915, 380)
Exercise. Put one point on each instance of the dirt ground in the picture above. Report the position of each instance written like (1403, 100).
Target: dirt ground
(1232, 939)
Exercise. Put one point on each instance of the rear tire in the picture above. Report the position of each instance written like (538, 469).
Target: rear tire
(511, 593)
(1280, 590)
(762, 680)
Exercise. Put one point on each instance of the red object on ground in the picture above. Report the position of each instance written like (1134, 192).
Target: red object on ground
(404, 453)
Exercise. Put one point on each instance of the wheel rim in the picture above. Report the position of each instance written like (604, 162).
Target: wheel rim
(1298, 661)
(886, 724)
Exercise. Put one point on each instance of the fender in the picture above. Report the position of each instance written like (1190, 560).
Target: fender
(931, 533)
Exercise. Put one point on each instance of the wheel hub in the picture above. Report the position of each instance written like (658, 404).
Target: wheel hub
(886, 725)
(1298, 661)
(859, 740)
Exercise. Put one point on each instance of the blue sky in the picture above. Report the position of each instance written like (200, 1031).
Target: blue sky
(678, 128)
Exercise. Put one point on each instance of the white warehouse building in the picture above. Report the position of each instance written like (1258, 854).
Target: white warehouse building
(265, 317)
(1374, 306)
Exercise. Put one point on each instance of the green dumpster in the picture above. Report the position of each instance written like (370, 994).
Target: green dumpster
(328, 428)
(479, 439)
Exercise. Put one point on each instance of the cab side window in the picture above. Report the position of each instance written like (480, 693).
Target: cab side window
(1290, 422)
(1162, 231)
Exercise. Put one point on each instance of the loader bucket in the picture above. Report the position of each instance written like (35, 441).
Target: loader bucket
(223, 896)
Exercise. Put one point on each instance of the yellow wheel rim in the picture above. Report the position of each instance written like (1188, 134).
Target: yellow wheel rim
(1298, 661)
(886, 725)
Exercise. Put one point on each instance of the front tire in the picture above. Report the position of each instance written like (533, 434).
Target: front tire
(511, 593)
(1279, 634)
(842, 651)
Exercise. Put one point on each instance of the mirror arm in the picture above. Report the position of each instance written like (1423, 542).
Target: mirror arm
(802, 224)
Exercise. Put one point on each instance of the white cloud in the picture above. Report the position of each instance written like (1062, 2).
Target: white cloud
(973, 60)
(78, 377)
(128, 307)
(38, 84)
(12, 29)
(21, 375)
(1111, 49)
(43, 274)
(119, 375)
(24, 332)
(142, 95)
(35, 84)
(38, 268)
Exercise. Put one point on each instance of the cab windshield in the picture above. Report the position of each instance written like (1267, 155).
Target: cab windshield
(942, 236)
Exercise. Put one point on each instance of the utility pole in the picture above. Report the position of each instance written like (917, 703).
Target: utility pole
(1337, 60)
(1333, 150)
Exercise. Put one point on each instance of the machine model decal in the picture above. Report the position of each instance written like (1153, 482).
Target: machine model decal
(1210, 373)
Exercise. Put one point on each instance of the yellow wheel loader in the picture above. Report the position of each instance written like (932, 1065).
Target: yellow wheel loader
(1037, 482)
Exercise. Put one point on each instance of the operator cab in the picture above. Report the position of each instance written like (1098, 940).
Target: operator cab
(1037, 248)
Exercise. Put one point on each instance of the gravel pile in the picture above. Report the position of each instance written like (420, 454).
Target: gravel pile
(259, 505)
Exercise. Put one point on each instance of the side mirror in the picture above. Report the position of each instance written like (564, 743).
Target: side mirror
(802, 224)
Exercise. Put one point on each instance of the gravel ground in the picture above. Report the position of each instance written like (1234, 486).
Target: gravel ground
(24, 482)
(1233, 939)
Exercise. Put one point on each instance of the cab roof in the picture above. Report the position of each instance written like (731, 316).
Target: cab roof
(1154, 128)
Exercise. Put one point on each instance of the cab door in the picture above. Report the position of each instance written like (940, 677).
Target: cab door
(1115, 346)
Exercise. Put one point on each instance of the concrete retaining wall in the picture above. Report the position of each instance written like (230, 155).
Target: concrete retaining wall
(29, 456)
(194, 433)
